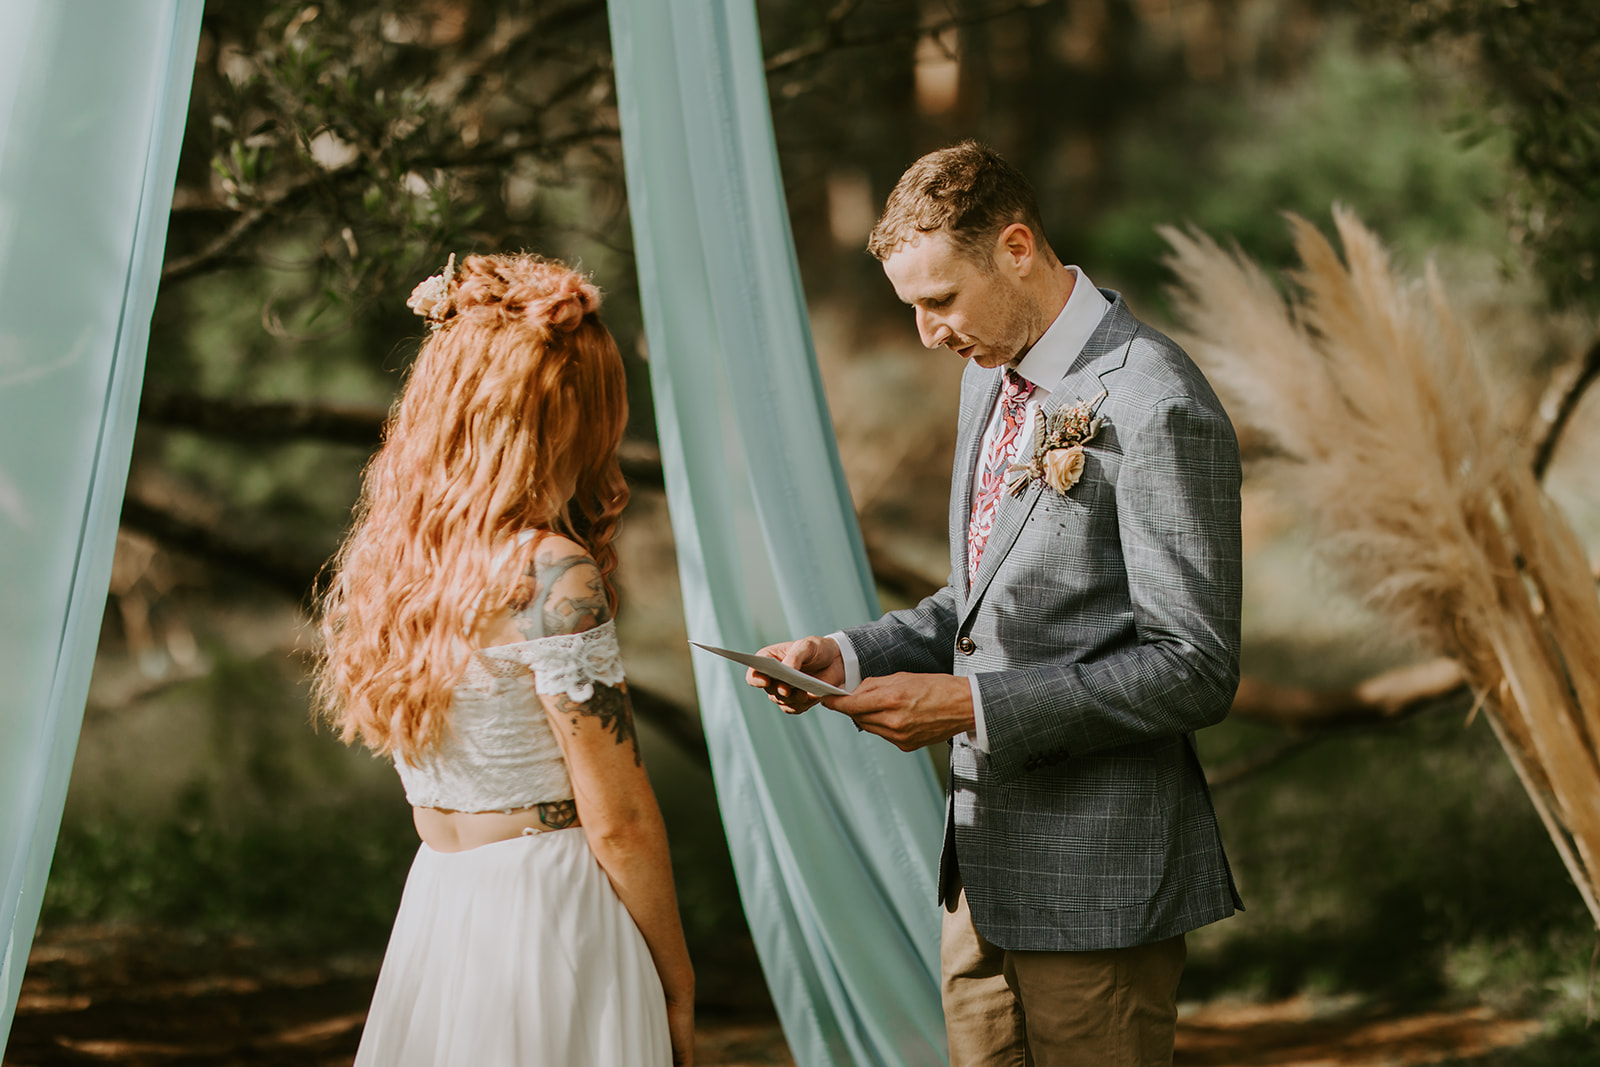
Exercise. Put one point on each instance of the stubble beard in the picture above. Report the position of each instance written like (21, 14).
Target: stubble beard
(1017, 328)
(1022, 330)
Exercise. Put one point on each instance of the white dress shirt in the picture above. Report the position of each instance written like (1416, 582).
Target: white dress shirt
(1045, 364)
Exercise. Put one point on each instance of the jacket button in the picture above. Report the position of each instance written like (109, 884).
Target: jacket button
(966, 647)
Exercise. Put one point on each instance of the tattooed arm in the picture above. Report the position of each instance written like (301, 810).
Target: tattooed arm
(562, 593)
(615, 803)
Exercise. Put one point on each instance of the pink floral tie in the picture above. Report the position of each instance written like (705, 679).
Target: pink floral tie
(999, 455)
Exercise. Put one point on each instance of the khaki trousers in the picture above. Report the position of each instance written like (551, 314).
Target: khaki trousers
(1115, 1008)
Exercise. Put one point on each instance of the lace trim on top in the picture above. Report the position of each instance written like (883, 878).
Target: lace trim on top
(562, 663)
(499, 753)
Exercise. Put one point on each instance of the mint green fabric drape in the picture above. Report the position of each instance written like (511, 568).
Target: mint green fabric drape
(93, 95)
(834, 834)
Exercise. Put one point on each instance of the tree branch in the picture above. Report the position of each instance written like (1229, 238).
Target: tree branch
(511, 32)
(1558, 406)
(288, 421)
(269, 422)
(299, 190)
(833, 38)
(1385, 697)
(1305, 713)
(246, 225)
(1308, 716)
(362, 427)
(265, 566)
(497, 153)
(490, 53)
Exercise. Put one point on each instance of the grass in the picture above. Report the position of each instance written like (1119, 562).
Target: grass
(314, 880)
(1403, 864)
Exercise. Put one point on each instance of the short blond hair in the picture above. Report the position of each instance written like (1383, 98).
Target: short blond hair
(967, 191)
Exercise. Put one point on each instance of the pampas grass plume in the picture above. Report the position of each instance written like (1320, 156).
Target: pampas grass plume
(1367, 384)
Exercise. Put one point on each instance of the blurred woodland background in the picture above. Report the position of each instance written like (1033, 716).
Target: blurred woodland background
(217, 847)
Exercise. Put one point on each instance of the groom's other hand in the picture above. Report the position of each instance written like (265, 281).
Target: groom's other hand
(909, 710)
(816, 656)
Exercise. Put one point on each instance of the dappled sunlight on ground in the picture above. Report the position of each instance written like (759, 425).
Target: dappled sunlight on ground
(132, 996)
(103, 995)
(1302, 1032)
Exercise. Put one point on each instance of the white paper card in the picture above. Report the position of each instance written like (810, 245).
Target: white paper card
(778, 671)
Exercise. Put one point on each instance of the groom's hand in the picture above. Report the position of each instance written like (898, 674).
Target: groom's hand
(816, 656)
(910, 710)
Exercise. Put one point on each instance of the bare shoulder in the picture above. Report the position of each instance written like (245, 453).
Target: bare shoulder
(568, 593)
(570, 597)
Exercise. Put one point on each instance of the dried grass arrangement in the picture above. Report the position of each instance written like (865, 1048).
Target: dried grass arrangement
(1425, 498)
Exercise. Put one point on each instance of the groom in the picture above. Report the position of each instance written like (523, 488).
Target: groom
(1089, 627)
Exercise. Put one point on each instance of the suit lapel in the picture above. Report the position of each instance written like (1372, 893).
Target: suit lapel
(1105, 351)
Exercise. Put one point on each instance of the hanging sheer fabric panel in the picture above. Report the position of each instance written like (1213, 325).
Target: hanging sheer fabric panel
(93, 97)
(834, 834)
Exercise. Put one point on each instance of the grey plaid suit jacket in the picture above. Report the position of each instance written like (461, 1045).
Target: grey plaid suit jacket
(1103, 628)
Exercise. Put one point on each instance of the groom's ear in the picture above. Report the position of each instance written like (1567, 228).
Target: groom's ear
(1016, 249)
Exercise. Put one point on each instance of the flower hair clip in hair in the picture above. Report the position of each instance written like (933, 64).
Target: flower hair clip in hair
(431, 297)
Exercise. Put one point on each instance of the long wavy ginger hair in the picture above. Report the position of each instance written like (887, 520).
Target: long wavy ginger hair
(509, 422)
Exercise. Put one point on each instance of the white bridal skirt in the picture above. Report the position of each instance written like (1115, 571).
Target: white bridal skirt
(515, 954)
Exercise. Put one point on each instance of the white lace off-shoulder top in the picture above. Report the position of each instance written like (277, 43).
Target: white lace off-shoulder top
(499, 753)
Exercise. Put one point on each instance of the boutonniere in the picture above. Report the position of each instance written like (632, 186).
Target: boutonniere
(1058, 442)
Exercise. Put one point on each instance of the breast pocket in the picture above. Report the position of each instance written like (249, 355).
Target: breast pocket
(1078, 524)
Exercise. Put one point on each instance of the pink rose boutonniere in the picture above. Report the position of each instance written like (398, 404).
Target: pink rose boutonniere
(1058, 442)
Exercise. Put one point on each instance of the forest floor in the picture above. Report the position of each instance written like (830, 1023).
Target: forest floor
(129, 996)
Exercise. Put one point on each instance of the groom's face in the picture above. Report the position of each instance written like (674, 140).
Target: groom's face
(981, 315)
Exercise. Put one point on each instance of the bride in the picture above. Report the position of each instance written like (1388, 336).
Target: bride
(469, 636)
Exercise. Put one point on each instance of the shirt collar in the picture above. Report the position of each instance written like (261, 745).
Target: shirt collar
(1048, 361)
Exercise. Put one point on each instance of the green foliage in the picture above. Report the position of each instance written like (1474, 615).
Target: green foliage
(1357, 127)
(324, 123)
(1539, 61)
(378, 137)
(329, 879)
(212, 805)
